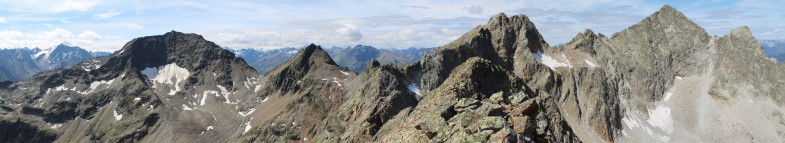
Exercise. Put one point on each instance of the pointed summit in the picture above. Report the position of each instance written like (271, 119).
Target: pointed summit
(668, 15)
(313, 54)
(310, 61)
(666, 21)
(670, 12)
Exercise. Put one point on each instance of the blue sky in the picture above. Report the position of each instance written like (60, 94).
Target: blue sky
(106, 25)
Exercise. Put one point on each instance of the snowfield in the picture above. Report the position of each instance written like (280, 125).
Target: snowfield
(170, 74)
(551, 62)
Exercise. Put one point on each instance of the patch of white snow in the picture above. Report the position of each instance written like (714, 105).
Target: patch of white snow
(225, 94)
(265, 99)
(247, 126)
(186, 108)
(550, 62)
(667, 96)
(117, 116)
(169, 74)
(590, 63)
(414, 88)
(55, 126)
(246, 113)
(660, 117)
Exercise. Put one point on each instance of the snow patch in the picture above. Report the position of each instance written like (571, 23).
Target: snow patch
(97, 84)
(414, 88)
(117, 116)
(667, 96)
(204, 98)
(345, 73)
(206, 130)
(45, 53)
(257, 88)
(137, 99)
(265, 99)
(246, 113)
(247, 126)
(590, 63)
(169, 74)
(551, 62)
(92, 65)
(249, 82)
(335, 80)
(55, 126)
(225, 93)
(186, 108)
(660, 117)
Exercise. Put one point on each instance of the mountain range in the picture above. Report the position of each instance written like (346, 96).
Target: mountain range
(774, 49)
(663, 79)
(20, 67)
(22, 64)
(355, 58)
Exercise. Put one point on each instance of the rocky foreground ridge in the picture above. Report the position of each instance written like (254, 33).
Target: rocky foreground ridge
(661, 80)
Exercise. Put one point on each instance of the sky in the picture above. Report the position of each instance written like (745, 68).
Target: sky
(106, 25)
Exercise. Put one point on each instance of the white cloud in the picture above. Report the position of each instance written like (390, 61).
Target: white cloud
(3, 20)
(42, 6)
(350, 32)
(43, 39)
(90, 35)
(108, 14)
(474, 9)
(774, 33)
(134, 26)
(10, 34)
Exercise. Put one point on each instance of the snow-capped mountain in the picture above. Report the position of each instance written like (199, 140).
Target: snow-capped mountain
(24, 63)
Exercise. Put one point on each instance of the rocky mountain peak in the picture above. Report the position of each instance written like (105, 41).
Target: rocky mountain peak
(670, 20)
(311, 61)
(668, 12)
(584, 41)
(187, 50)
(371, 64)
(742, 31)
(501, 21)
(313, 55)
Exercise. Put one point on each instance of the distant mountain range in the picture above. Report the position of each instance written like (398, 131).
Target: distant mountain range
(355, 58)
(774, 49)
(23, 63)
